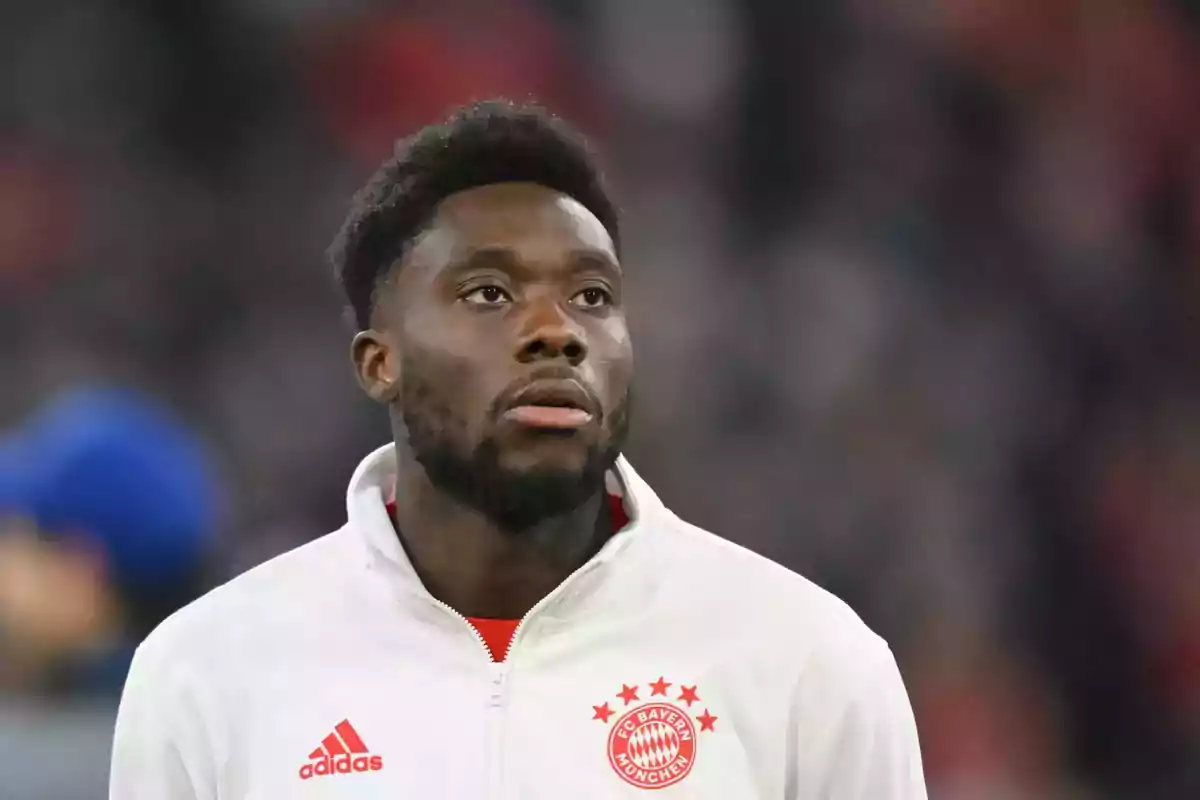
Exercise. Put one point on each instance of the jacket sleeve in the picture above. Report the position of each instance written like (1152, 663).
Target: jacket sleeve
(161, 750)
(867, 747)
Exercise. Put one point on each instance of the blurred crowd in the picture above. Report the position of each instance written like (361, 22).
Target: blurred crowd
(916, 295)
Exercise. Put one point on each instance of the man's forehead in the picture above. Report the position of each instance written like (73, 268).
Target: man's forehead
(521, 217)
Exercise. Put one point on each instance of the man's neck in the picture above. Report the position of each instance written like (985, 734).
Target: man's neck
(472, 564)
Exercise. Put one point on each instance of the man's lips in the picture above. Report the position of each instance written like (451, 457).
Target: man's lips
(551, 404)
(557, 417)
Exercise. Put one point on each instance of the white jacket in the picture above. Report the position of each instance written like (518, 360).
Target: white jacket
(673, 660)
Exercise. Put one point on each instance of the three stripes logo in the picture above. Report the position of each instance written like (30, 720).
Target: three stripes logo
(341, 753)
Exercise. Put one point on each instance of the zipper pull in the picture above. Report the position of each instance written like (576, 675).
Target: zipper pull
(496, 697)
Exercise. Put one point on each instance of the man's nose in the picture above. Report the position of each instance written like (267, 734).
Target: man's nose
(549, 333)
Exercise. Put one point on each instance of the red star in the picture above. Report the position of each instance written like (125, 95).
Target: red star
(659, 687)
(688, 695)
(603, 713)
(628, 693)
(707, 721)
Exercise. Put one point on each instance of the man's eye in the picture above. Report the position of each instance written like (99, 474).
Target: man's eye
(487, 296)
(592, 297)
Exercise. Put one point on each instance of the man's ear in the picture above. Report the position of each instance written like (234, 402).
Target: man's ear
(376, 365)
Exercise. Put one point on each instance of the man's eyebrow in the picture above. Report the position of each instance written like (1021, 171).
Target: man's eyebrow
(497, 257)
(592, 259)
(507, 260)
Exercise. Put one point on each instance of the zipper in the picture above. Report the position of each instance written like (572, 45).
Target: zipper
(499, 670)
(538, 606)
(494, 733)
(493, 707)
(474, 631)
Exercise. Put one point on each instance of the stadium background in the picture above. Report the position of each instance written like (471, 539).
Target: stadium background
(917, 304)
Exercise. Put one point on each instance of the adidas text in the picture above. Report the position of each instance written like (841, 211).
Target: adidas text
(341, 765)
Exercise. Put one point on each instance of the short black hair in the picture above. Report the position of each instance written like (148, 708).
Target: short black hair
(493, 141)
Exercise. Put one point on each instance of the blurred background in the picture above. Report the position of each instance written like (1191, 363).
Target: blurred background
(916, 293)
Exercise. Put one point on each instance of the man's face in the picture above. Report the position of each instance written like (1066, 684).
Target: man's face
(505, 337)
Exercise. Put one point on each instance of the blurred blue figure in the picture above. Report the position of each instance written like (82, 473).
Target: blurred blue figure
(107, 509)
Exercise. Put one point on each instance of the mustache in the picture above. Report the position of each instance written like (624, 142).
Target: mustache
(504, 400)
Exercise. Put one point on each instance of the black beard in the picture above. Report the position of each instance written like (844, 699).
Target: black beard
(515, 501)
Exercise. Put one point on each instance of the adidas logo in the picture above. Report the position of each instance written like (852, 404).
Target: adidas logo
(340, 753)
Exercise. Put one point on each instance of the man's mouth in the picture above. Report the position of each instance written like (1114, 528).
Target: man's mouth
(551, 405)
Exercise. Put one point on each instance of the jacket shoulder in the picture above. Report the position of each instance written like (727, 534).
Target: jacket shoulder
(283, 585)
(736, 583)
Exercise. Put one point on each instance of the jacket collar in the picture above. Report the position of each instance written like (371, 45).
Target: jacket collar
(371, 484)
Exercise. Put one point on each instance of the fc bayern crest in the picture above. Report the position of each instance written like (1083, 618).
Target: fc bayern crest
(652, 745)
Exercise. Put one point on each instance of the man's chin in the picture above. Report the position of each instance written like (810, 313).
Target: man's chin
(519, 499)
(519, 487)
(546, 456)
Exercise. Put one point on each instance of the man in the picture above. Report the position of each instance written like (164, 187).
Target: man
(509, 611)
